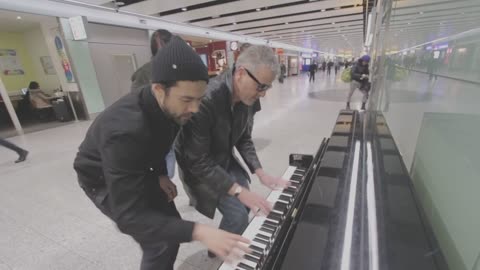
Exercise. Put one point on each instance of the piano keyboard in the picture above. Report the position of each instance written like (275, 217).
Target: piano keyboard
(262, 230)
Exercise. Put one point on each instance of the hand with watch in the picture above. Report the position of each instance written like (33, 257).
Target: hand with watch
(255, 202)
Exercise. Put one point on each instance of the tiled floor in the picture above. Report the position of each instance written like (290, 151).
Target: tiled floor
(46, 222)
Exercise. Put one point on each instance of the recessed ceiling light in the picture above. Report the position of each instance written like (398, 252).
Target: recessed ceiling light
(19, 17)
(234, 23)
(333, 22)
(286, 23)
(258, 9)
(184, 9)
(323, 10)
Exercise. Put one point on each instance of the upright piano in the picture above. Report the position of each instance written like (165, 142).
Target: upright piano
(350, 206)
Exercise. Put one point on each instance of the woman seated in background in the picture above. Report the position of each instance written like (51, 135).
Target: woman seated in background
(38, 98)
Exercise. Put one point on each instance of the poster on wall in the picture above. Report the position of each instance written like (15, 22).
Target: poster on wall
(220, 57)
(47, 65)
(63, 57)
(10, 63)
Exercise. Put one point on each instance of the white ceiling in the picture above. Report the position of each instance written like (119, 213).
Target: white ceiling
(327, 25)
(415, 22)
(10, 23)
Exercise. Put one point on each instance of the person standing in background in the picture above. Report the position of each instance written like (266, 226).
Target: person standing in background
(360, 74)
(143, 77)
(22, 153)
(283, 71)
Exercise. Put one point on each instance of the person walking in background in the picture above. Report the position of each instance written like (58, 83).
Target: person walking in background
(360, 74)
(312, 70)
(324, 65)
(329, 67)
(283, 71)
(22, 153)
(337, 66)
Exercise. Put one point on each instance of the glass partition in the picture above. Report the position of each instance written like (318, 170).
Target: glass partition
(426, 80)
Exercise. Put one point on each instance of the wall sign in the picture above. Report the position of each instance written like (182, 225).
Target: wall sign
(63, 57)
(78, 28)
(10, 63)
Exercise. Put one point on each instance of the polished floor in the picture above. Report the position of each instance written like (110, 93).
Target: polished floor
(47, 223)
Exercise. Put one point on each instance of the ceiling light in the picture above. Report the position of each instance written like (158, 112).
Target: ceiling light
(409, 23)
(333, 22)
(323, 10)
(184, 9)
(421, 12)
(19, 17)
(119, 3)
(234, 23)
(286, 23)
(258, 9)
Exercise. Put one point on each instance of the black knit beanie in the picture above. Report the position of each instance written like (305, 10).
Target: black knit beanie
(178, 62)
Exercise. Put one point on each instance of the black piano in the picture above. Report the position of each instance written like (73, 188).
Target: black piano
(351, 206)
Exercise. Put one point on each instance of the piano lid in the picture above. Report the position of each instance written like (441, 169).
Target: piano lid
(361, 211)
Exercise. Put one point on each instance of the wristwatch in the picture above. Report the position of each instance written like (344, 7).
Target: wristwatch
(238, 190)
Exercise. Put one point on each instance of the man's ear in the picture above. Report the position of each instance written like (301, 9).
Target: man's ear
(159, 92)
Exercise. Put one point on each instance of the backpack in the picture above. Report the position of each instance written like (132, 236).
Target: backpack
(347, 75)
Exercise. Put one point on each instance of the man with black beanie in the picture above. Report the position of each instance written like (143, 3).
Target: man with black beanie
(121, 163)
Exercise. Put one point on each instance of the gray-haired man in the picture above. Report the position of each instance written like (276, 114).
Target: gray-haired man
(212, 175)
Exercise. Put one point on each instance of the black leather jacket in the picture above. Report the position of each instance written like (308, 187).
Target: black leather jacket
(357, 70)
(119, 164)
(205, 145)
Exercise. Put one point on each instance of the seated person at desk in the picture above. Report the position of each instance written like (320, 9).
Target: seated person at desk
(38, 99)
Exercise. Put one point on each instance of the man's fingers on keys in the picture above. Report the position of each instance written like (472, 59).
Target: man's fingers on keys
(243, 247)
(240, 239)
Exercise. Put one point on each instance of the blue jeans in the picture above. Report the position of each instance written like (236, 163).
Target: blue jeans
(170, 160)
(235, 213)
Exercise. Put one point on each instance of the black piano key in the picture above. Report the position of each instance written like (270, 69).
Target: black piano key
(270, 226)
(268, 222)
(251, 258)
(264, 237)
(260, 241)
(280, 207)
(244, 266)
(267, 230)
(256, 248)
(284, 198)
(288, 191)
(257, 254)
(274, 216)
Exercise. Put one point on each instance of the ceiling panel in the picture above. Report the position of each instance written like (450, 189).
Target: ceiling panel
(220, 9)
(312, 18)
(155, 6)
(285, 11)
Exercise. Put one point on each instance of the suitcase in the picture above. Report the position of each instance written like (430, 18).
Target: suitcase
(60, 108)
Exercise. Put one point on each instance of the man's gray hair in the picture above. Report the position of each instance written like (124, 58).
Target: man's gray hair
(256, 56)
